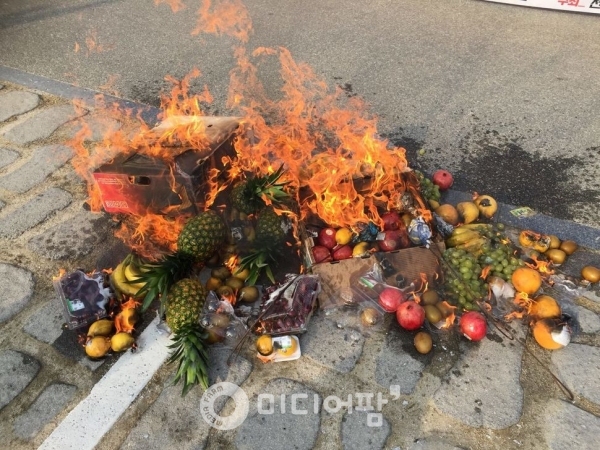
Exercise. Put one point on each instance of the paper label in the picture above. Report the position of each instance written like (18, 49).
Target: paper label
(584, 6)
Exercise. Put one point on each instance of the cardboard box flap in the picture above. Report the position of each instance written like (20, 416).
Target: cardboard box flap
(216, 128)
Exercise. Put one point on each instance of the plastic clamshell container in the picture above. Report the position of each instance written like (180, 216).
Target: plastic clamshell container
(83, 297)
(219, 318)
(289, 308)
(282, 346)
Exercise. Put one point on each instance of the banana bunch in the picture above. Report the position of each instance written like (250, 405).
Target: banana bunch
(125, 275)
(470, 237)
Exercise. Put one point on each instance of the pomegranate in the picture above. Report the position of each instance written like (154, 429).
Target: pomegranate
(410, 315)
(321, 254)
(443, 179)
(326, 238)
(391, 298)
(394, 239)
(391, 220)
(343, 252)
(473, 326)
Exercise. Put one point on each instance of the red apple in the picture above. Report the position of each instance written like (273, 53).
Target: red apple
(410, 315)
(391, 220)
(473, 326)
(326, 238)
(321, 254)
(391, 298)
(343, 252)
(443, 179)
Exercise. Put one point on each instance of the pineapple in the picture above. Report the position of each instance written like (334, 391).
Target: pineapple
(185, 301)
(201, 236)
(249, 196)
(270, 237)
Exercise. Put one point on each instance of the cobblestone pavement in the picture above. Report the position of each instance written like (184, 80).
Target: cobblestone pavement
(495, 394)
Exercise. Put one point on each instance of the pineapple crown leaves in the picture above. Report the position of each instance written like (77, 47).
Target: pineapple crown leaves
(258, 261)
(189, 352)
(159, 277)
(265, 190)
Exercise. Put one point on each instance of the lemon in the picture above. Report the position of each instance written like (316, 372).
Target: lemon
(360, 249)
(343, 236)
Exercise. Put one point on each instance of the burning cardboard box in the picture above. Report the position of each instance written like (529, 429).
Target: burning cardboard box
(140, 184)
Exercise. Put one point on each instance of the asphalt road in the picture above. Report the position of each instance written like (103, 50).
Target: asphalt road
(505, 97)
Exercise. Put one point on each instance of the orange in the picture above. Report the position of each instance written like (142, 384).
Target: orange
(544, 307)
(543, 334)
(527, 280)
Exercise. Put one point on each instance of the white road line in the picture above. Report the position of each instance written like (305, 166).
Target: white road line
(91, 419)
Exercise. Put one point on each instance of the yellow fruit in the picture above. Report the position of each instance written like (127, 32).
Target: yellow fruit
(407, 219)
(526, 280)
(97, 346)
(119, 281)
(550, 334)
(360, 249)
(448, 213)
(234, 283)
(556, 255)
(554, 241)
(591, 274)
(432, 314)
(536, 241)
(264, 345)
(423, 342)
(343, 236)
(487, 205)
(212, 284)
(121, 342)
(545, 307)
(468, 211)
(102, 327)
(569, 247)
(462, 238)
(433, 204)
(248, 294)
(240, 273)
(288, 351)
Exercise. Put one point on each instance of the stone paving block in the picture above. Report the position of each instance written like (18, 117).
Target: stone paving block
(97, 127)
(50, 402)
(42, 163)
(16, 285)
(174, 421)
(16, 372)
(33, 212)
(567, 427)
(588, 320)
(395, 366)
(13, 103)
(360, 432)
(46, 323)
(283, 429)
(338, 349)
(579, 368)
(483, 388)
(7, 157)
(73, 238)
(41, 125)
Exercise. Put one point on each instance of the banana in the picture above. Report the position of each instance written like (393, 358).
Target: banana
(468, 211)
(462, 238)
(474, 246)
(119, 281)
(121, 342)
(101, 327)
(132, 274)
(477, 226)
(460, 230)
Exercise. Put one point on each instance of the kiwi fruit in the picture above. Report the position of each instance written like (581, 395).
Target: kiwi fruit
(212, 284)
(556, 255)
(423, 342)
(222, 273)
(248, 294)
(569, 247)
(225, 291)
(432, 314)
(234, 283)
(429, 297)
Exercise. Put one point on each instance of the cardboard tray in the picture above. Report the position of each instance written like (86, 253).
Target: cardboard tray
(337, 278)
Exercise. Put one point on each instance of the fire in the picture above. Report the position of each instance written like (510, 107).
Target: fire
(424, 282)
(449, 321)
(337, 166)
(126, 319)
(485, 272)
(543, 267)
(61, 273)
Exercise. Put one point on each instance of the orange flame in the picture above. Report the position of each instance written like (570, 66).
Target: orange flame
(543, 267)
(125, 320)
(449, 320)
(485, 272)
(228, 17)
(61, 273)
